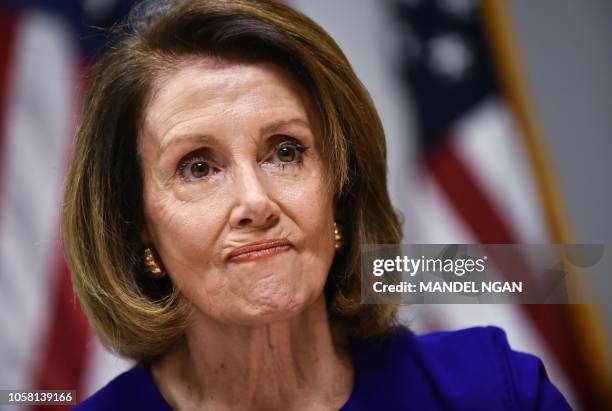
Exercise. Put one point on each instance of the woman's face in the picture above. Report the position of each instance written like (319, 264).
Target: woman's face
(235, 195)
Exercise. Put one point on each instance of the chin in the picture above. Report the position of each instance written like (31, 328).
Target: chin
(274, 309)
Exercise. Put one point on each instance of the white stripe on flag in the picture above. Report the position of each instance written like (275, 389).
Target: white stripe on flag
(490, 147)
(430, 219)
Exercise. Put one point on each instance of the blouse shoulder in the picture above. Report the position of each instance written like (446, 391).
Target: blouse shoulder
(468, 370)
(476, 366)
(132, 390)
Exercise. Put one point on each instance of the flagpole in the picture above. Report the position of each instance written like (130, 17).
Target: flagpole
(507, 60)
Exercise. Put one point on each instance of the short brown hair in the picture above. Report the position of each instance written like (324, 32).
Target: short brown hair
(141, 317)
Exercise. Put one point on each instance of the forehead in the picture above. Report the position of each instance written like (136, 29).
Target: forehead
(214, 88)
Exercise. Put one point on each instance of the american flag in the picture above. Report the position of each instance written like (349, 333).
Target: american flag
(485, 178)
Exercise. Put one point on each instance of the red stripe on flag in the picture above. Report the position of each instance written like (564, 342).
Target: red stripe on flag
(8, 24)
(465, 195)
(65, 344)
(553, 322)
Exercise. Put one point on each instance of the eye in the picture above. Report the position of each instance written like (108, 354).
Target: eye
(286, 154)
(199, 169)
(194, 167)
(289, 152)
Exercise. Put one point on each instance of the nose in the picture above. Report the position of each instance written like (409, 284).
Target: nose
(253, 207)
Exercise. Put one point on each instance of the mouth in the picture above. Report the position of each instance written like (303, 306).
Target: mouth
(258, 250)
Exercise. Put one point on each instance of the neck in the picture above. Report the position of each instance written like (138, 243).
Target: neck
(292, 364)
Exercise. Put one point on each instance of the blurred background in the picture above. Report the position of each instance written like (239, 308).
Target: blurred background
(498, 119)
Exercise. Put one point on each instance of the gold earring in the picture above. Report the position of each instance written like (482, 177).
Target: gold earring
(338, 236)
(151, 264)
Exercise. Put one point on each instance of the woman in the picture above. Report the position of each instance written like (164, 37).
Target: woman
(227, 172)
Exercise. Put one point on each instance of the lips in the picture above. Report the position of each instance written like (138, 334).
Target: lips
(257, 250)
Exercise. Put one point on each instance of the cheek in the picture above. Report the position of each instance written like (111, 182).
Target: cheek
(184, 233)
(309, 205)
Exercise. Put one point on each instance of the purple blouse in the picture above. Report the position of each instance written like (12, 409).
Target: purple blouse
(472, 370)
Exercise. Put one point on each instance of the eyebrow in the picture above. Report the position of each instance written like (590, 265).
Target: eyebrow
(181, 139)
(209, 138)
(274, 126)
